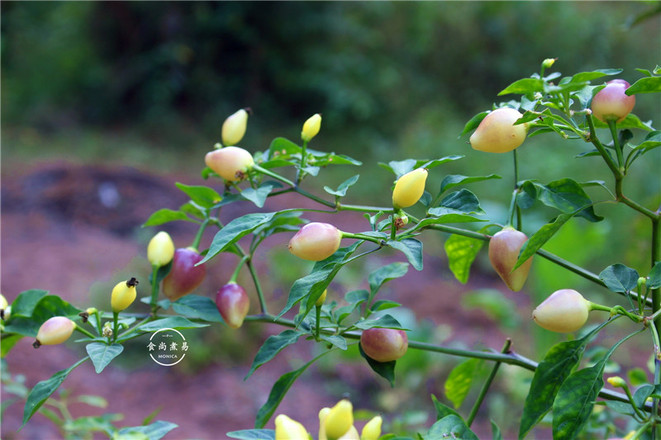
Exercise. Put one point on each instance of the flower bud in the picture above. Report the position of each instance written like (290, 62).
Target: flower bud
(234, 127)
(401, 220)
(233, 304)
(184, 276)
(54, 331)
(611, 103)
(339, 420)
(322, 298)
(372, 429)
(160, 249)
(315, 241)
(497, 132)
(123, 295)
(616, 381)
(409, 188)
(504, 249)
(288, 429)
(311, 127)
(230, 163)
(107, 330)
(384, 344)
(548, 62)
(564, 311)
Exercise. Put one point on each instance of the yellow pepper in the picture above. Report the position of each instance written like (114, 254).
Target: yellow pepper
(288, 429)
(160, 250)
(234, 127)
(409, 188)
(123, 294)
(311, 127)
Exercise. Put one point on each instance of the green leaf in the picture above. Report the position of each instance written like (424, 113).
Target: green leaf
(282, 148)
(650, 84)
(525, 86)
(383, 369)
(154, 431)
(272, 346)
(652, 140)
(341, 190)
(575, 400)
(174, 322)
(460, 380)
(637, 376)
(336, 340)
(540, 238)
(473, 123)
(461, 252)
(452, 180)
(197, 307)
(43, 390)
(404, 166)
(641, 395)
(654, 278)
(589, 76)
(277, 393)
(384, 321)
(619, 278)
(313, 285)
(102, 354)
(8, 342)
(495, 430)
(29, 318)
(380, 276)
(631, 121)
(235, 230)
(259, 195)
(384, 305)
(26, 301)
(451, 427)
(411, 248)
(95, 401)
(567, 196)
(557, 365)
(253, 434)
(165, 216)
(202, 195)
(442, 410)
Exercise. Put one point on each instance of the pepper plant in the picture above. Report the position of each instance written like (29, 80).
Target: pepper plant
(582, 106)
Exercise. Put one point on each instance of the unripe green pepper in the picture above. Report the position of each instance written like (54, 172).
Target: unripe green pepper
(564, 311)
(322, 298)
(372, 429)
(384, 344)
(504, 249)
(315, 241)
(611, 103)
(311, 127)
(497, 132)
(123, 295)
(230, 163)
(233, 304)
(184, 276)
(409, 188)
(234, 127)
(288, 429)
(339, 420)
(616, 381)
(160, 250)
(54, 331)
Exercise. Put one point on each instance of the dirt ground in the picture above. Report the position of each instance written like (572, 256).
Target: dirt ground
(70, 229)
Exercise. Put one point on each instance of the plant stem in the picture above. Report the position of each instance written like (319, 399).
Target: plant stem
(258, 286)
(612, 125)
(198, 236)
(115, 329)
(516, 190)
(272, 174)
(318, 321)
(487, 384)
(85, 332)
(235, 274)
(304, 158)
(361, 237)
(602, 150)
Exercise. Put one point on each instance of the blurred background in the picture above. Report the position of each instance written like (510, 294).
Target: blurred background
(131, 95)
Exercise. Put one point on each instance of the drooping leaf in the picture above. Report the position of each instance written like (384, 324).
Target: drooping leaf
(411, 248)
(473, 123)
(386, 273)
(259, 195)
(652, 140)
(43, 390)
(461, 252)
(165, 215)
(567, 196)
(235, 230)
(442, 410)
(460, 380)
(277, 393)
(102, 354)
(540, 238)
(272, 346)
(383, 321)
(341, 190)
(383, 369)
(452, 180)
(619, 278)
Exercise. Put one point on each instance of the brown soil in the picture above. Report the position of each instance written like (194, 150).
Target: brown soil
(72, 230)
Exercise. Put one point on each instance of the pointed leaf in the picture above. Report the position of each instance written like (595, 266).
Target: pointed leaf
(650, 84)
(473, 123)
(165, 216)
(452, 180)
(654, 281)
(461, 252)
(411, 248)
(451, 427)
(383, 369)
(154, 431)
(567, 196)
(272, 346)
(619, 278)
(197, 307)
(442, 410)
(462, 201)
(460, 380)
(386, 273)
(384, 321)
(341, 190)
(102, 354)
(201, 195)
(174, 322)
(258, 196)
(540, 238)
(525, 86)
(43, 390)
(253, 434)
